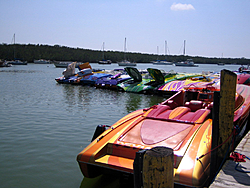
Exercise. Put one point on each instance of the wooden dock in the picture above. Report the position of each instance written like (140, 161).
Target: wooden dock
(230, 177)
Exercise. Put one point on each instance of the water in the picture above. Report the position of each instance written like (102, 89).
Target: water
(44, 125)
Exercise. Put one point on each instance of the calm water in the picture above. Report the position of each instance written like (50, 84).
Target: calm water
(44, 125)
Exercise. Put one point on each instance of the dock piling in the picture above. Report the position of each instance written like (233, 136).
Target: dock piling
(156, 168)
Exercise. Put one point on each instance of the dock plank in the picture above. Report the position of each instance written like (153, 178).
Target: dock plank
(228, 176)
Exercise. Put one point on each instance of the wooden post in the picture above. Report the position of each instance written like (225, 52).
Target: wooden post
(228, 81)
(158, 168)
(138, 163)
(215, 135)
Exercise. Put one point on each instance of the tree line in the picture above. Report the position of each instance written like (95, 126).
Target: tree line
(30, 52)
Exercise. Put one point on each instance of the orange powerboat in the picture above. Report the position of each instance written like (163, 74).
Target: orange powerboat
(183, 122)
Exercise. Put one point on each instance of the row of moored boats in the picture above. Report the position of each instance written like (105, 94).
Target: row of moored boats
(150, 81)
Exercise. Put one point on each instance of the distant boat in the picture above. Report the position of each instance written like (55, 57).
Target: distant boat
(221, 64)
(105, 62)
(162, 62)
(187, 63)
(125, 62)
(4, 64)
(64, 64)
(41, 61)
(16, 61)
(103, 58)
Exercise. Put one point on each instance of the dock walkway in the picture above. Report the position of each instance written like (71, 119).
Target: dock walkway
(230, 177)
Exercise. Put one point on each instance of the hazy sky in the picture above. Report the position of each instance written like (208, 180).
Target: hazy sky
(211, 28)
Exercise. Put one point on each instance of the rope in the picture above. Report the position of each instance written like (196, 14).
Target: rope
(233, 133)
(237, 157)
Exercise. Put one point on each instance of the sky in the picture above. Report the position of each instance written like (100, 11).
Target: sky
(211, 28)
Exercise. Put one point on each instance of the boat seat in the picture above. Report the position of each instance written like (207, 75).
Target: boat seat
(195, 117)
(174, 114)
(194, 105)
(158, 110)
(171, 104)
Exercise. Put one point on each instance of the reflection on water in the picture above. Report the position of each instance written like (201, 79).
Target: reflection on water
(85, 96)
(102, 181)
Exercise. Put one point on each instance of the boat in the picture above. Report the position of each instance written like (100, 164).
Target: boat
(41, 61)
(64, 64)
(4, 64)
(68, 74)
(16, 61)
(91, 79)
(113, 81)
(126, 62)
(187, 63)
(162, 62)
(220, 63)
(144, 83)
(183, 122)
(103, 61)
(244, 69)
(243, 78)
(188, 81)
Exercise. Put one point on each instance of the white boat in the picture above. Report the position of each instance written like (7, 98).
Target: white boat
(162, 62)
(125, 62)
(187, 63)
(41, 61)
(17, 62)
(105, 62)
(64, 64)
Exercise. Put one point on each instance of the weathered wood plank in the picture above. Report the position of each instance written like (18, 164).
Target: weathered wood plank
(229, 177)
(226, 108)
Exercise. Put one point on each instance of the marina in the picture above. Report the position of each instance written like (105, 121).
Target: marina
(45, 124)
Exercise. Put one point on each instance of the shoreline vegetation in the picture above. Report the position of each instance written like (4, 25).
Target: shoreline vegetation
(30, 52)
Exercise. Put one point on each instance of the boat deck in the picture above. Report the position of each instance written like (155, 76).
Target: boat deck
(228, 175)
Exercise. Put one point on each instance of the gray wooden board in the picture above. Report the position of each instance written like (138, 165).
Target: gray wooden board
(228, 175)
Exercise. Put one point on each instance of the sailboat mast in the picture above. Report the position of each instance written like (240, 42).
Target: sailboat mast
(103, 51)
(184, 47)
(166, 46)
(157, 53)
(125, 49)
(14, 45)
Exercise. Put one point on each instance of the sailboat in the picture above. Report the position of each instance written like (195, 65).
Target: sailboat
(162, 62)
(188, 62)
(16, 61)
(103, 59)
(125, 62)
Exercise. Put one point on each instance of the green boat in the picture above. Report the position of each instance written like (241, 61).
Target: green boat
(144, 83)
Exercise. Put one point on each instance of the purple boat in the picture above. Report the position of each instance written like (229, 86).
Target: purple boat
(111, 82)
